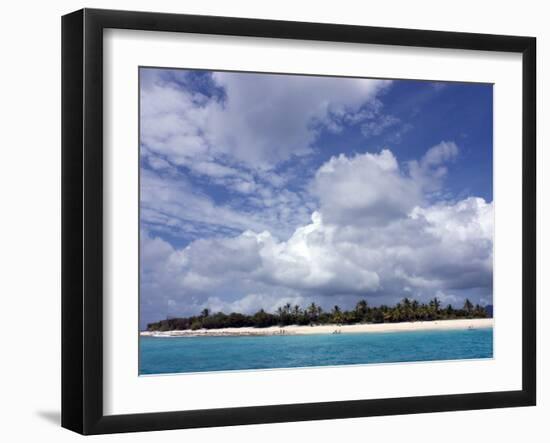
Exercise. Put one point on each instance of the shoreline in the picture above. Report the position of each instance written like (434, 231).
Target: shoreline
(474, 323)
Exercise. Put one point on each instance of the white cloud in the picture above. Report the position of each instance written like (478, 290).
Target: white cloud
(366, 226)
(170, 122)
(377, 126)
(235, 139)
(374, 236)
(251, 127)
(244, 126)
(171, 202)
(431, 169)
(367, 188)
(310, 261)
(449, 299)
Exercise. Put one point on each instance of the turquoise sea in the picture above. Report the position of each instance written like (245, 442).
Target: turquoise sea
(201, 354)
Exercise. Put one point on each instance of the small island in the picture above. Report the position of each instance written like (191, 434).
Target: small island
(407, 315)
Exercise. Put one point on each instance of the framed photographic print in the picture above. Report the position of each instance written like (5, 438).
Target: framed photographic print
(304, 221)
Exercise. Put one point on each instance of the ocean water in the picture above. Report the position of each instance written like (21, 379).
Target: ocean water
(201, 354)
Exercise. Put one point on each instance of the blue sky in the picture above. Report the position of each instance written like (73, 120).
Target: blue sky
(262, 189)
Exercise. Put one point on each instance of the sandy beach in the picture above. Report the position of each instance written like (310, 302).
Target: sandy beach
(475, 323)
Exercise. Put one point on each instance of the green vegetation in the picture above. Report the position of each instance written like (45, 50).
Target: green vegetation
(406, 310)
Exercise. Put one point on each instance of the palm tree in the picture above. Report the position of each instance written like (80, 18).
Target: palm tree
(434, 306)
(296, 314)
(468, 306)
(414, 308)
(281, 315)
(407, 307)
(377, 315)
(287, 308)
(337, 315)
(397, 313)
(361, 308)
(312, 312)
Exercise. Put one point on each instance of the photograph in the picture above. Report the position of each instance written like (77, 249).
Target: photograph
(266, 222)
(298, 220)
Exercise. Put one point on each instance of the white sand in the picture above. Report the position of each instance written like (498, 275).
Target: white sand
(475, 323)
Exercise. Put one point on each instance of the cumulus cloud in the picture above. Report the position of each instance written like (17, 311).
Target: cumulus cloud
(374, 234)
(228, 130)
(253, 128)
(366, 188)
(244, 125)
(231, 166)
(431, 169)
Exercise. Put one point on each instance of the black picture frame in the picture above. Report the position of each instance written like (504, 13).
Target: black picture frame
(82, 219)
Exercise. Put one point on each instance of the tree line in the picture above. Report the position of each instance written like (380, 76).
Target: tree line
(406, 310)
